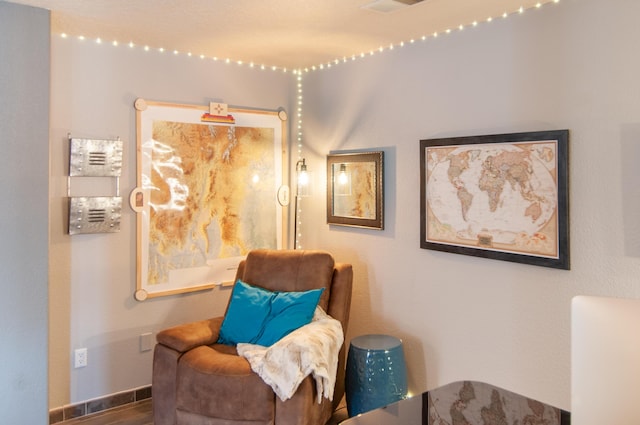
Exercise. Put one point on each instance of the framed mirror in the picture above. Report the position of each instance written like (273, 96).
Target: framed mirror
(354, 189)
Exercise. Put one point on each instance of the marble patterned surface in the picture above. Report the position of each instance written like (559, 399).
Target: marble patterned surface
(477, 403)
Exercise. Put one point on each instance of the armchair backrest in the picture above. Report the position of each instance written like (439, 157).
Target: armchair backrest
(289, 270)
(301, 270)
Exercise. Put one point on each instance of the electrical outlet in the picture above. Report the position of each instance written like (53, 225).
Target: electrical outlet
(80, 358)
(146, 342)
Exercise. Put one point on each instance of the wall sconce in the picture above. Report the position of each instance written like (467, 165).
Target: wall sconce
(302, 188)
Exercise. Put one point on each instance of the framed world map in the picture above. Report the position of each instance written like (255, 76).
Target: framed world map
(206, 193)
(503, 196)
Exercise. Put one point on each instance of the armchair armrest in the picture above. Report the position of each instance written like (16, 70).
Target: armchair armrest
(190, 335)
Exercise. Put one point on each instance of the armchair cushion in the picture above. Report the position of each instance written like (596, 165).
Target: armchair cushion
(259, 316)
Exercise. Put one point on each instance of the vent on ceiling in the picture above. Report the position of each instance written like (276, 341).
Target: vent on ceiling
(386, 6)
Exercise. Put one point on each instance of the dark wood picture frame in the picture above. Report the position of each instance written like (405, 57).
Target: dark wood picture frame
(362, 204)
(521, 178)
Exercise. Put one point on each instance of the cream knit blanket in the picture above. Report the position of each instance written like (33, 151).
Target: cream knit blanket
(310, 350)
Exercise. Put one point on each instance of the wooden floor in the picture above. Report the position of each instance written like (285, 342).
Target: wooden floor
(140, 414)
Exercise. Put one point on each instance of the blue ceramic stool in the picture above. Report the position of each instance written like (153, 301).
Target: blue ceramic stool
(376, 373)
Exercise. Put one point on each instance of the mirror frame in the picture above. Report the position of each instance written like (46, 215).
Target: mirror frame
(377, 158)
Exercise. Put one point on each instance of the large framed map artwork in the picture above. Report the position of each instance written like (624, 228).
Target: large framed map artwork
(503, 197)
(206, 193)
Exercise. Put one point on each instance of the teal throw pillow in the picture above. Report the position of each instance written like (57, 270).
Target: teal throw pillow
(247, 313)
(289, 311)
(258, 316)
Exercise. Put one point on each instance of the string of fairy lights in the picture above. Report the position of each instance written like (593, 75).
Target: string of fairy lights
(298, 206)
(299, 72)
(331, 63)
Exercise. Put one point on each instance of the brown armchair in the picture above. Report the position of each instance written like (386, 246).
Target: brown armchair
(199, 382)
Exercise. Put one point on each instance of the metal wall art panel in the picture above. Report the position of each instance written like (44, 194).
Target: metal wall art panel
(99, 214)
(95, 158)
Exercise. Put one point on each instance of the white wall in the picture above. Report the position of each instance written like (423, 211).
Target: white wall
(24, 126)
(569, 65)
(93, 276)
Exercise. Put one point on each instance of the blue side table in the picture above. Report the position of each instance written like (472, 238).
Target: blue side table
(376, 373)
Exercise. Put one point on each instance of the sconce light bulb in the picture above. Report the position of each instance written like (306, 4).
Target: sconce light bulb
(303, 178)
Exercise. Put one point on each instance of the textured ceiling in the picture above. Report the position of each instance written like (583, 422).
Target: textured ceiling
(288, 34)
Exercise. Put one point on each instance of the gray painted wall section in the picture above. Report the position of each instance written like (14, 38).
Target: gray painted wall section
(93, 90)
(566, 65)
(24, 166)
